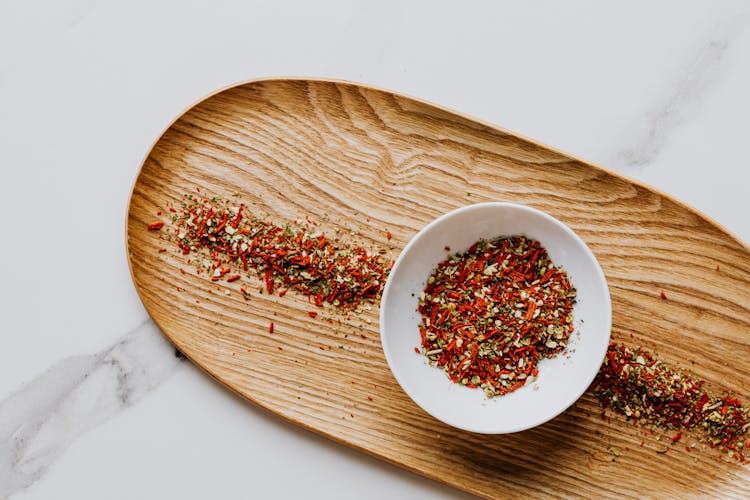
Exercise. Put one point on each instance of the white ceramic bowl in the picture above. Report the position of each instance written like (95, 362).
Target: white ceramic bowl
(561, 380)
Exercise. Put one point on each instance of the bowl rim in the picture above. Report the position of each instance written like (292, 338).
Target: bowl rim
(468, 208)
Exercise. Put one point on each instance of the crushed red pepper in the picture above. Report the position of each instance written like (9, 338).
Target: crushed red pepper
(633, 382)
(324, 270)
(489, 315)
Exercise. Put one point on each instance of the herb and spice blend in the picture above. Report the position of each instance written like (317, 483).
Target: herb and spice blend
(633, 382)
(489, 315)
(231, 241)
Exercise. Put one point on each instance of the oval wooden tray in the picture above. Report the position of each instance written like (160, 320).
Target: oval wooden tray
(375, 161)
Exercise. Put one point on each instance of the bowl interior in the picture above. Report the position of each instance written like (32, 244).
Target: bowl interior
(561, 380)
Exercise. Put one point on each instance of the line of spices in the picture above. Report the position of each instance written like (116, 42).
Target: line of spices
(315, 266)
(634, 383)
(489, 315)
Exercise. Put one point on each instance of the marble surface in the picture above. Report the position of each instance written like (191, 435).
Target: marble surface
(93, 402)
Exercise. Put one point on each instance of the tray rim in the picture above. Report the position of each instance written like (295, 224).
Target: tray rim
(300, 424)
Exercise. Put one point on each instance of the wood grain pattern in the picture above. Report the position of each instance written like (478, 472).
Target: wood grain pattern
(299, 147)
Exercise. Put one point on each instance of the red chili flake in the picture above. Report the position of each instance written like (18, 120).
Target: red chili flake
(280, 348)
(447, 248)
(687, 448)
(633, 382)
(530, 303)
(182, 271)
(717, 267)
(162, 250)
(388, 235)
(155, 226)
(312, 314)
(171, 209)
(234, 277)
(369, 398)
(362, 335)
(282, 292)
(662, 294)
(351, 415)
(270, 327)
(288, 256)
(416, 349)
(158, 212)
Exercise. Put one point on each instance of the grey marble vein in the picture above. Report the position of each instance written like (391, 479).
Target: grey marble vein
(687, 93)
(42, 418)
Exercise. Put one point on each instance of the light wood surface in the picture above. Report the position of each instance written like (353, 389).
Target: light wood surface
(375, 161)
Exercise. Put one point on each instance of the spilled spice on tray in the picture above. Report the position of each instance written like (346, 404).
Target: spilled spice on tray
(489, 315)
(233, 238)
(633, 382)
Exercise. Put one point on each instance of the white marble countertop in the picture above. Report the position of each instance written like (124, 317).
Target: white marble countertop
(93, 403)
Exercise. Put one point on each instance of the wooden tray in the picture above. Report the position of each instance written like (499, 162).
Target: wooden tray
(372, 160)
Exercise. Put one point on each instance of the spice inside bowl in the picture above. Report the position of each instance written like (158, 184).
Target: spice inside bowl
(507, 302)
(490, 314)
